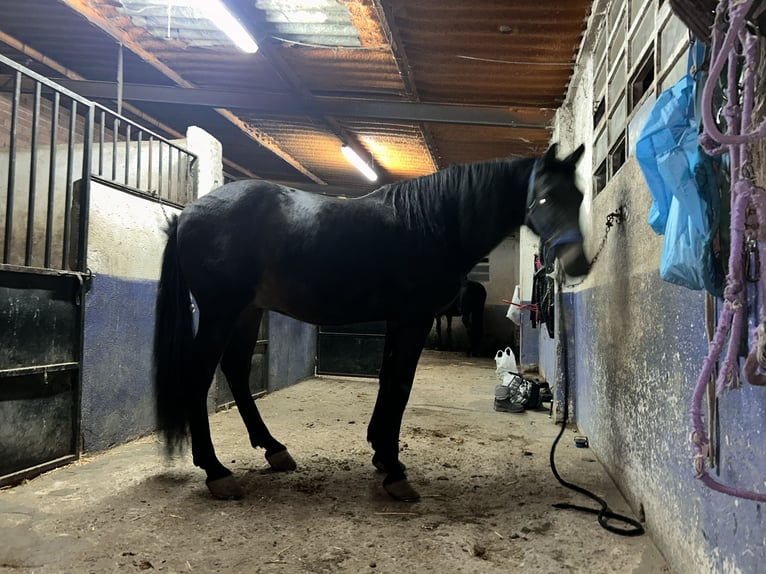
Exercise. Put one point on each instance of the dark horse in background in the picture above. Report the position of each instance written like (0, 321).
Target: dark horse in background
(397, 254)
(469, 306)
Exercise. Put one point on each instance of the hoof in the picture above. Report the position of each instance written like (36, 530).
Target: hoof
(378, 464)
(281, 461)
(226, 488)
(401, 490)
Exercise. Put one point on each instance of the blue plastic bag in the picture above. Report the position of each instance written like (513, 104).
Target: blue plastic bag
(684, 184)
(683, 244)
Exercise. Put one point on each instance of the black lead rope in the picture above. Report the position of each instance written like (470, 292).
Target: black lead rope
(604, 513)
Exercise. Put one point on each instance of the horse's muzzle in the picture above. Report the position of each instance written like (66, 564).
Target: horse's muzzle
(572, 258)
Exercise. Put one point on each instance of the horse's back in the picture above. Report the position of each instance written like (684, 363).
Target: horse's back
(314, 257)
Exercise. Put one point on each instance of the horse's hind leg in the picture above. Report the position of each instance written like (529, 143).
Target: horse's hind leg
(470, 332)
(236, 364)
(208, 345)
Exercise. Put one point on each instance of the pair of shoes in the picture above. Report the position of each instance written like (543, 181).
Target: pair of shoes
(506, 406)
(546, 396)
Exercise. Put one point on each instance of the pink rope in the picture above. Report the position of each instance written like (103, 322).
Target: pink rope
(737, 15)
(725, 47)
(531, 307)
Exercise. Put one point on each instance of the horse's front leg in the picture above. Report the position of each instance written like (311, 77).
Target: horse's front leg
(404, 343)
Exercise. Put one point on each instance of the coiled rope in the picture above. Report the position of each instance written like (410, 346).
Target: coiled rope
(733, 45)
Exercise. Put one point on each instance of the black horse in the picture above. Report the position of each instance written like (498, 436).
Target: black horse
(397, 254)
(469, 306)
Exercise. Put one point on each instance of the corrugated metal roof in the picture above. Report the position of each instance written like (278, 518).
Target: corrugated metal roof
(513, 56)
(309, 22)
(174, 22)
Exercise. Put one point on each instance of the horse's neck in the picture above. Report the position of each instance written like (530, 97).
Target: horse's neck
(491, 211)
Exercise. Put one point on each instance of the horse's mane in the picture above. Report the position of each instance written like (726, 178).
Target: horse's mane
(430, 203)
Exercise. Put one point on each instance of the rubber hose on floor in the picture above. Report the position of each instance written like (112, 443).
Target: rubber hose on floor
(604, 513)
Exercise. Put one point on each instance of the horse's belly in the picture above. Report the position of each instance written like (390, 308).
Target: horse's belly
(327, 302)
(313, 304)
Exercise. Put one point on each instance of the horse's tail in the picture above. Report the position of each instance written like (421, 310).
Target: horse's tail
(173, 334)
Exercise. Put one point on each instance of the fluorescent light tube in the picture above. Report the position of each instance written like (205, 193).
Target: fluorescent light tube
(359, 163)
(218, 14)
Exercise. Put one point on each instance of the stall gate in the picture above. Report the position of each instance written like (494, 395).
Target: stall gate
(353, 350)
(52, 142)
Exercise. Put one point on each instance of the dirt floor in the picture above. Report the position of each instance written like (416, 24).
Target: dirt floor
(484, 476)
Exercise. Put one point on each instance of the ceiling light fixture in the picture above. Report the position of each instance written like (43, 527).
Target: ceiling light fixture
(359, 163)
(217, 12)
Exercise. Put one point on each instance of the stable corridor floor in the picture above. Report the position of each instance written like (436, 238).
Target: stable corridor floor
(484, 476)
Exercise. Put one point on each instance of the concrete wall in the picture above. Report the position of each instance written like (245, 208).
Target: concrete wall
(499, 332)
(529, 337)
(125, 244)
(636, 347)
(124, 252)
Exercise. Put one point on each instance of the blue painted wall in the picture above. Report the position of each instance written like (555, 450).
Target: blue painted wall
(635, 370)
(117, 396)
(529, 345)
(291, 351)
(636, 345)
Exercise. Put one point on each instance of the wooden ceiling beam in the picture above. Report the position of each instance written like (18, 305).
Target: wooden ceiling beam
(285, 104)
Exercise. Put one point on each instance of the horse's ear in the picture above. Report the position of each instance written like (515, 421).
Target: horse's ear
(575, 156)
(550, 155)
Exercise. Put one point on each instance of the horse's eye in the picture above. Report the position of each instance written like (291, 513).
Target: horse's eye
(542, 201)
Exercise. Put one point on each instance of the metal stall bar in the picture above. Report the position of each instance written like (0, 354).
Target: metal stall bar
(140, 140)
(159, 166)
(82, 244)
(167, 164)
(127, 154)
(32, 177)
(101, 136)
(151, 162)
(115, 138)
(51, 180)
(12, 168)
(69, 181)
(170, 174)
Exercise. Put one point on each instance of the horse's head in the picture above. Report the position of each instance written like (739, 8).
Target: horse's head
(553, 209)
